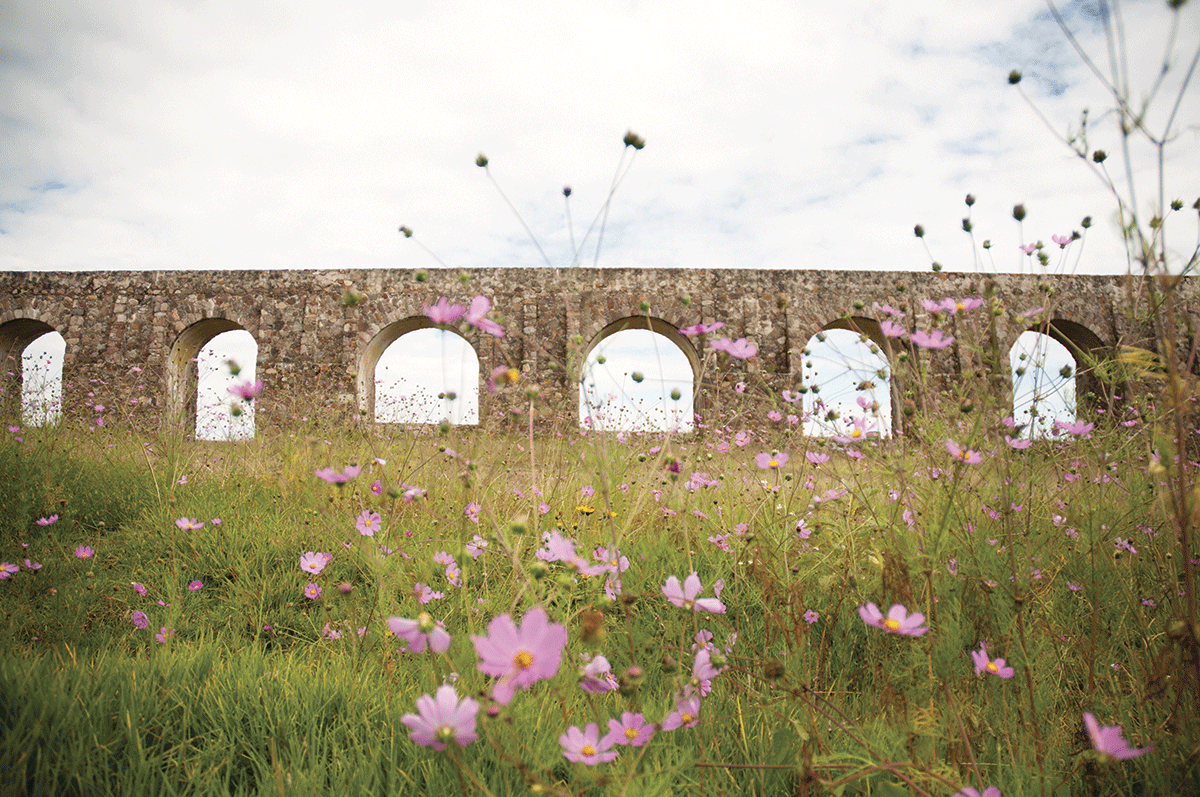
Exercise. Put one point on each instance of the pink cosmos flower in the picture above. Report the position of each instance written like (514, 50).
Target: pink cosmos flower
(7, 569)
(595, 676)
(140, 620)
(815, 458)
(1078, 428)
(312, 591)
(426, 594)
(138, 588)
(377, 487)
(811, 616)
(312, 562)
(740, 349)
(189, 524)
(632, 729)
(333, 477)
(1061, 240)
(1018, 444)
(685, 715)
(773, 461)
(984, 664)
(887, 309)
(965, 454)
(247, 391)
(445, 313)
(420, 633)
(898, 620)
(164, 634)
(195, 586)
(702, 329)
(967, 791)
(586, 747)
(891, 330)
(1108, 742)
(368, 522)
(520, 656)
(934, 340)
(84, 552)
(475, 316)
(46, 521)
(1028, 249)
(442, 719)
(685, 597)
(32, 565)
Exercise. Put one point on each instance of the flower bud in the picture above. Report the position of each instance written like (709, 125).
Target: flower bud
(773, 669)
(1087, 222)
(669, 665)
(1014, 77)
(919, 231)
(345, 588)
(481, 160)
(637, 376)
(632, 139)
(1099, 156)
(422, 276)
(1019, 212)
(407, 232)
(566, 190)
(970, 200)
(966, 224)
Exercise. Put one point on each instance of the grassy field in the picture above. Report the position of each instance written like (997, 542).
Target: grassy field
(177, 640)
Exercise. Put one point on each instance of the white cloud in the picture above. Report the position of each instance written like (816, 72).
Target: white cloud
(271, 135)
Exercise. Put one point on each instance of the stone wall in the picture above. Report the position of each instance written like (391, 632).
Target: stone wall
(314, 344)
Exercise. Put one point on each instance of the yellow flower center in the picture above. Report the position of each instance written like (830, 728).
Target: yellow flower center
(523, 660)
(891, 625)
(774, 463)
(964, 454)
(631, 733)
(614, 563)
(991, 667)
(686, 718)
(959, 306)
(512, 374)
(856, 433)
(588, 750)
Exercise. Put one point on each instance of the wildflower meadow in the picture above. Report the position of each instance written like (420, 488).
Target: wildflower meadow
(784, 600)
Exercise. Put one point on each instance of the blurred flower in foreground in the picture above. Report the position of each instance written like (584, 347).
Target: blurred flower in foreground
(1107, 741)
(420, 633)
(443, 719)
(520, 656)
(685, 597)
(586, 747)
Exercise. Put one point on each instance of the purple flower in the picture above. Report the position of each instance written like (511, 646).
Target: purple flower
(1028, 249)
(1061, 240)
(475, 316)
(333, 477)
(32, 565)
(247, 391)
(984, 664)
(8, 568)
(815, 458)
(377, 487)
(685, 715)
(312, 562)
(1108, 742)
(164, 634)
(586, 747)
(196, 585)
(1018, 445)
(138, 588)
(84, 552)
(740, 349)
(811, 616)
(771, 461)
(140, 620)
(46, 521)
(312, 591)
(445, 313)
(420, 633)
(367, 523)
(442, 719)
(189, 524)
(632, 729)
(965, 454)
(426, 594)
(595, 677)
(926, 340)
(520, 656)
(685, 597)
(702, 329)
(898, 620)
(891, 330)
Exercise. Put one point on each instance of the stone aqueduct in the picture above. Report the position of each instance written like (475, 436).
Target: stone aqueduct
(313, 344)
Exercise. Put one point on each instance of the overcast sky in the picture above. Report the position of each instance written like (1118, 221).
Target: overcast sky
(801, 134)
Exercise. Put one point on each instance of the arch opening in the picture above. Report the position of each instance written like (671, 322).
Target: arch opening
(227, 360)
(848, 382)
(638, 374)
(33, 353)
(415, 372)
(1043, 384)
(183, 373)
